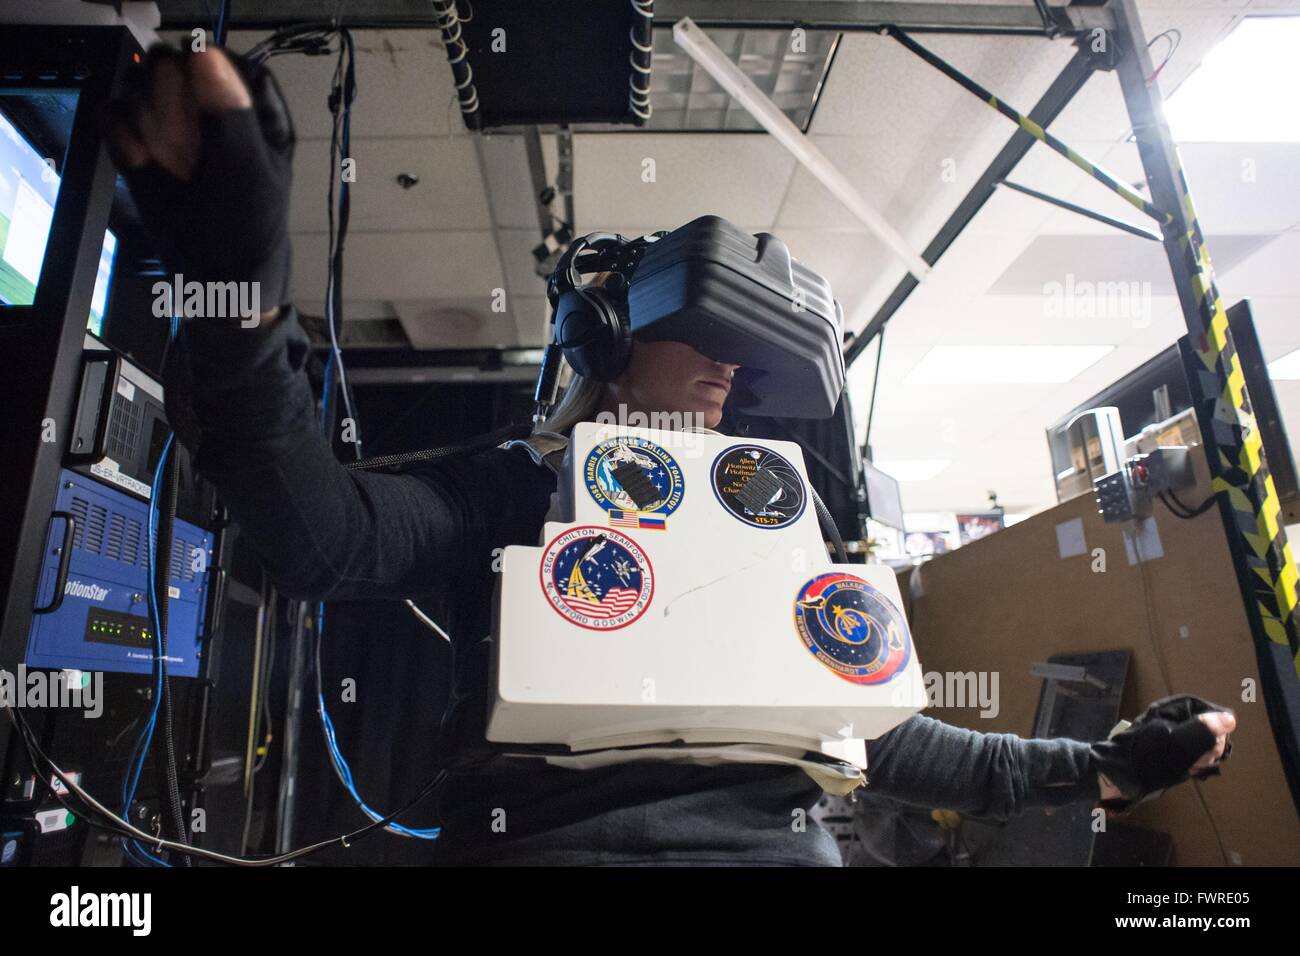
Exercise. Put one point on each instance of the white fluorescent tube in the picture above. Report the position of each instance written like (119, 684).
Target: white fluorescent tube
(732, 79)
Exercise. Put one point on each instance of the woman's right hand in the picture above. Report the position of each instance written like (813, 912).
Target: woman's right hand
(205, 143)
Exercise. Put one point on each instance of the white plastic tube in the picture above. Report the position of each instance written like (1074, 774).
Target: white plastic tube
(731, 78)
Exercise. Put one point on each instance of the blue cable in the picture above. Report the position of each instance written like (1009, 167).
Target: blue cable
(341, 764)
(131, 782)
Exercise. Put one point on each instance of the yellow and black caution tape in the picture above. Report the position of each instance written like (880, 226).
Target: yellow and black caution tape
(1241, 473)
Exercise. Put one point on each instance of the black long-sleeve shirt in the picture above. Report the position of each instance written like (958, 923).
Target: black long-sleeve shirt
(325, 533)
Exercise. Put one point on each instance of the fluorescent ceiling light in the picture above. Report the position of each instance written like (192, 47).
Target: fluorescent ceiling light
(1003, 364)
(1287, 367)
(913, 469)
(1244, 89)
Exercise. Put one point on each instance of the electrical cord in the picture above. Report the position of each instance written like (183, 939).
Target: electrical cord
(123, 827)
(1174, 37)
(342, 94)
(261, 719)
(828, 525)
(1181, 510)
(875, 382)
(481, 443)
(135, 766)
(1164, 676)
(341, 768)
(162, 576)
(219, 35)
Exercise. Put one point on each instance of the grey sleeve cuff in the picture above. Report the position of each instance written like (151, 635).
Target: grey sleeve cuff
(927, 763)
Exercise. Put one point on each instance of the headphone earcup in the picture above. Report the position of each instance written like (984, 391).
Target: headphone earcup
(596, 339)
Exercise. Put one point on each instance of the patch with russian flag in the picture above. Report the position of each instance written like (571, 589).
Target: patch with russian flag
(634, 519)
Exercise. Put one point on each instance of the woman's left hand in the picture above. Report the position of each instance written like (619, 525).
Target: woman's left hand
(1219, 723)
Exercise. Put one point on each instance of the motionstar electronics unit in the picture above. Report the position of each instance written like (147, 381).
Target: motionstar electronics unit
(686, 595)
(92, 611)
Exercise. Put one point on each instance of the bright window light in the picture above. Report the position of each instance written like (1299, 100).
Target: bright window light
(1287, 367)
(1244, 89)
(912, 469)
(1003, 364)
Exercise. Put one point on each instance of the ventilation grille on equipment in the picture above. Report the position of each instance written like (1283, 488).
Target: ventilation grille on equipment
(108, 534)
(182, 566)
(124, 430)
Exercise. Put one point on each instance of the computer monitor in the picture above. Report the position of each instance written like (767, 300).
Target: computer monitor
(884, 497)
(29, 189)
(103, 284)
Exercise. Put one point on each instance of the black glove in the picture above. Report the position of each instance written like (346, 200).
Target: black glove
(229, 222)
(1157, 750)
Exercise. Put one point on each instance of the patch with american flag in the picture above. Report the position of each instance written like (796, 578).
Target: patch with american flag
(597, 578)
(634, 519)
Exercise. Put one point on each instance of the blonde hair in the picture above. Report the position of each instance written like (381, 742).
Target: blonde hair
(579, 403)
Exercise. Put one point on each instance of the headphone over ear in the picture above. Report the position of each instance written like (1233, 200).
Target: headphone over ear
(590, 325)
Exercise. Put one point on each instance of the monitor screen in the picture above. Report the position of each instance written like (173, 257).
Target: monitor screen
(884, 497)
(103, 281)
(29, 188)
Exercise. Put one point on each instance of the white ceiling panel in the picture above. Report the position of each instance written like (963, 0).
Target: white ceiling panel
(509, 180)
(877, 84)
(1273, 270)
(531, 315)
(516, 250)
(1109, 267)
(741, 177)
(449, 194)
(403, 265)
(449, 323)
(877, 166)
(1277, 322)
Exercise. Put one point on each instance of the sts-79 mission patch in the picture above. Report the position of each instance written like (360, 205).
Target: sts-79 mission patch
(758, 486)
(851, 628)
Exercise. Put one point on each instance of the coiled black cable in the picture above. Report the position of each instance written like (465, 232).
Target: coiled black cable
(483, 442)
(170, 792)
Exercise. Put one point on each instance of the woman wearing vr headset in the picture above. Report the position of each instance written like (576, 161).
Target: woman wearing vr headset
(205, 144)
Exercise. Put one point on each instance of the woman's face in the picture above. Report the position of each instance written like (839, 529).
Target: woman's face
(672, 377)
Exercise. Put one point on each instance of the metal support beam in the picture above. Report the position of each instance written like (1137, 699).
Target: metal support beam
(865, 15)
(841, 15)
(1248, 501)
(1083, 211)
(1048, 107)
(537, 174)
(1112, 183)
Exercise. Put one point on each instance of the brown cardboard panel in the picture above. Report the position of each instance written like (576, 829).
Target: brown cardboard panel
(1009, 600)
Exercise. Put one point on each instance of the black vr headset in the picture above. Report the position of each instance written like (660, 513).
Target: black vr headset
(733, 297)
